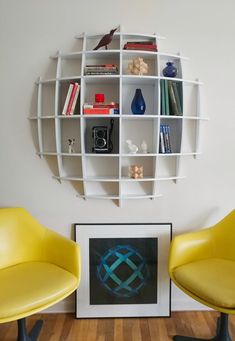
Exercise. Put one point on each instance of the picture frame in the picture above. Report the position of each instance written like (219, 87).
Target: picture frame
(124, 270)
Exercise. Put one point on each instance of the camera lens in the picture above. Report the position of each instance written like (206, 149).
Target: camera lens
(100, 142)
(100, 133)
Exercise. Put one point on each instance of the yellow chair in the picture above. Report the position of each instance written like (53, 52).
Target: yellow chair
(38, 268)
(202, 264)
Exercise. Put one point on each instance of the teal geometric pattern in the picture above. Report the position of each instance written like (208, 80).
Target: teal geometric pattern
(123, 271)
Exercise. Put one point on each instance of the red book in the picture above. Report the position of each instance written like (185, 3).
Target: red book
(140, 46)
(75, 86)
(97, 111)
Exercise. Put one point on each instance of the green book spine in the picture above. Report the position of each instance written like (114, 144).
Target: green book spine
(180, 92)
(163, 103)
(166, 97)
(177, 98)
(174, 109)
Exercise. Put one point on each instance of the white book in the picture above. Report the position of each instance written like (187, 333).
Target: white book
(66, 103)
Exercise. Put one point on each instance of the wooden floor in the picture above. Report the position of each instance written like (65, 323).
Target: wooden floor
(63, 327)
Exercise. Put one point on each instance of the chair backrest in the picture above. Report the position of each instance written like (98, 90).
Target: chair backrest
(224, 237)
(20, 237)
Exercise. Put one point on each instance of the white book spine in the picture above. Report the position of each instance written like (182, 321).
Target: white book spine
(66, 103)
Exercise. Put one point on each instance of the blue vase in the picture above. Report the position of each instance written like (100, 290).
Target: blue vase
(138, 104)
(170, 70)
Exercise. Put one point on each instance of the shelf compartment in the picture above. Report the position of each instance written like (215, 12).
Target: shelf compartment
(163, 59)
(110, 90)
(189, 137)
(48, 136)
(102, 188)
(102, 57)
(103, 124)
(137, 188)
(146, 162)
(166, 169)
(104, 167)
(141, 80)
(190, 99)
(72, 168)
(137, 132)
(47, 99)
(149, 58)
(175, 127)
(63, 90)
(71, 65)
(70, 129)
(149, 92)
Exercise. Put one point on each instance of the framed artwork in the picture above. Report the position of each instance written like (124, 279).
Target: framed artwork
(124, 270)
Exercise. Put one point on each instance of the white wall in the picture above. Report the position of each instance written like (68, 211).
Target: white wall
(30, 31)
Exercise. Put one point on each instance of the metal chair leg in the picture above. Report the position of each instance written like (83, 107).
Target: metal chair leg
(22, 331)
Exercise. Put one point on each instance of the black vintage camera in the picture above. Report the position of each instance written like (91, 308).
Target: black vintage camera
(102, 138)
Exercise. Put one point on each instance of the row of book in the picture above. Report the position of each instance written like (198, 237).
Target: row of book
(164, 141)
(141, 45)
(71, 99)
(171, 97)
(101, 69)
(101, 109)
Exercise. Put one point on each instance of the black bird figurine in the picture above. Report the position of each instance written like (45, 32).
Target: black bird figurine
(107, 38)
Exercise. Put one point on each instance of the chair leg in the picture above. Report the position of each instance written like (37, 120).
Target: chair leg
(222, 333)
(22, 331)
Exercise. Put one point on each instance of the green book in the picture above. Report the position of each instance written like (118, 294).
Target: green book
(163, 103)
(177, 98)
(166, 97)
(180, 92)
(174, 108)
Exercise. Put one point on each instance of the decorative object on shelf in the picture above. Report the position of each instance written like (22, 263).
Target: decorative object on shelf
(138, 104)
(124, 270)
(138, 67)
(170, 70)
(144, 147)
(133, 149)
(136, 172)
(71, 145)
(105, 40)
(99, 98)
(101, 135)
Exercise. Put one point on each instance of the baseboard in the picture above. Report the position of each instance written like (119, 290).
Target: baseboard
(68, 306)
(187, 304)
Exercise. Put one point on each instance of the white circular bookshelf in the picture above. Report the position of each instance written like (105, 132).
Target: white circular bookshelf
(104, 175)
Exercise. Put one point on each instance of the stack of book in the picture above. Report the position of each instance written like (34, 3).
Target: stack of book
(101, 109)
(171, 97)
(71, 99)
(141, 45)
(164, 141)
(101, 69)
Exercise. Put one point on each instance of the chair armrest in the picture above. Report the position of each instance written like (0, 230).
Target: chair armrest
(190, 247)
(62, 252)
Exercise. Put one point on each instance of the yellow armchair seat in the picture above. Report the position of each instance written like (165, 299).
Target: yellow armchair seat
(32, 286)
(206, 278)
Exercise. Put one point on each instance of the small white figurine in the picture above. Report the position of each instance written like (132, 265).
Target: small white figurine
(71, 145)
(132, 147)
(138, 67)
(144, 147)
